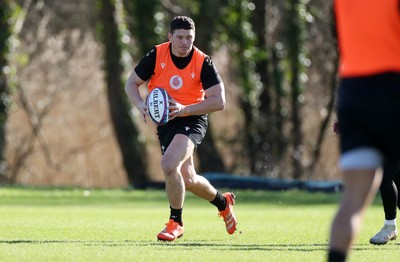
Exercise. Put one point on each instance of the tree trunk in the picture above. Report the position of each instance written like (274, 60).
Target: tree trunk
(133, 152)
(293, 56)
(266, 125)
(5, 14)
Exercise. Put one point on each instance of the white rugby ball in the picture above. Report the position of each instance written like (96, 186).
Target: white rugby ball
(158, 103)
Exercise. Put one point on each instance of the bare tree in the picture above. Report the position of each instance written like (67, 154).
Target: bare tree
(127, 134)
(5, 33)
(294, 51)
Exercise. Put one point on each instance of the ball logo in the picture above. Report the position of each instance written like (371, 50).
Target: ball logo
(156, 104)
(176, 82)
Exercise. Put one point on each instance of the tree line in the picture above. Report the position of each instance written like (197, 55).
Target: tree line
(279, 52)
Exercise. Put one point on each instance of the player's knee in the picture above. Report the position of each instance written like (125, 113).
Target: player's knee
(168, 167)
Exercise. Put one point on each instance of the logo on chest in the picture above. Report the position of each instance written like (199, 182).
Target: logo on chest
(176, 82)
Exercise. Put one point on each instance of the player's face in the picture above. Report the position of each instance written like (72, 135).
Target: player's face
(182, 42)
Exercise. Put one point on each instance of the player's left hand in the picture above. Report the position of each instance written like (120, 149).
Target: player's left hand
(175, 109)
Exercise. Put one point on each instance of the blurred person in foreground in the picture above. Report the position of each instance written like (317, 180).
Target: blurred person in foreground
(389, 191)
(368, 110)
(196, 88)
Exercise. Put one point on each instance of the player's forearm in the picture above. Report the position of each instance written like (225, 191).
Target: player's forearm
(132, 91)
(209, 105)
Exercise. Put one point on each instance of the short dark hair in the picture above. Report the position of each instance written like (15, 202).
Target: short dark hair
(181, 22)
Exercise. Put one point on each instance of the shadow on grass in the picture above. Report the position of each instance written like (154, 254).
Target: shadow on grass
(195, 245)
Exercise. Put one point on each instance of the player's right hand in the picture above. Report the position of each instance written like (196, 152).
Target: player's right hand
(143, 109)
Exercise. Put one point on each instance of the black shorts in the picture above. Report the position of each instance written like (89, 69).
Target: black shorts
(195, 127)
(368, 111)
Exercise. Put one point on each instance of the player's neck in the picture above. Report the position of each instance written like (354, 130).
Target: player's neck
(179, 54)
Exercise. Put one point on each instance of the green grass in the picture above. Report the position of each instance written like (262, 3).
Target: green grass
(121, 225)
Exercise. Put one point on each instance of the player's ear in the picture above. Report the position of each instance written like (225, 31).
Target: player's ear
(169, 36)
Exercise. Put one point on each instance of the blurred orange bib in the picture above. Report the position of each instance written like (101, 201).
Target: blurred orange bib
(368, 36)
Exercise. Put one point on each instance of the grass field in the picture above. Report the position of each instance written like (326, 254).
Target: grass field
(121, 225)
